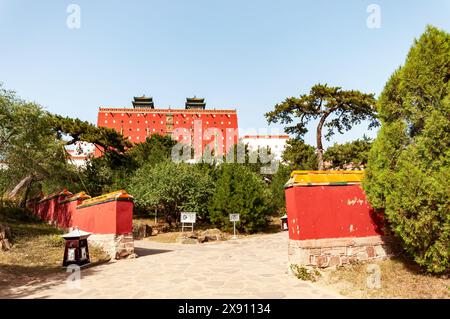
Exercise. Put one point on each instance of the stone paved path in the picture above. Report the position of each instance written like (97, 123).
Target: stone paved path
(254, 267)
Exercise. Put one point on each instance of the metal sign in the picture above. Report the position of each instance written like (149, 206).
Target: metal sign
(234, 218)
(188, 217)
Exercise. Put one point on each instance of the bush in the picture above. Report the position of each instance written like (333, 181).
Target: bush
(172, 188)
(408, 172)
(239, 190)
(276, 187)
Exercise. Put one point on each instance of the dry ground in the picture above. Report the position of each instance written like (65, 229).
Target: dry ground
(400, 278)
(274, 226)
(36, 253)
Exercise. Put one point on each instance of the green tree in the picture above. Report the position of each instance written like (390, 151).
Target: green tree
(351, 153)
(105, 139)
(155, 149)
(114, 170)
(299, 155)
(33, 155)
(172, 188)
(276, 187)
(341, 108)
(239, 190)
(408, 171)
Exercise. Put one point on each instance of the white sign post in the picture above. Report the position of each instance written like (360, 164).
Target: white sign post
(234, 218)
(187, 218)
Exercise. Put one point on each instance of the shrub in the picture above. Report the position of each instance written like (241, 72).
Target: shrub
(239, 190)
(278, 180)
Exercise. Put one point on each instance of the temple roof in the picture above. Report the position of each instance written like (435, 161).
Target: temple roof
(143, 101)
(195, 103)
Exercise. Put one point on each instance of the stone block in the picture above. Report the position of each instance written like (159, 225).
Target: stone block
(334, 261)
(300, 257)
(362, 256)
(322, 261)
(380, 251)
(337, 251)
(349, 251)
(370, 251)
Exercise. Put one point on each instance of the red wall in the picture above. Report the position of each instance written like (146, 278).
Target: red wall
(330, 211)
(113, 217)
(108, 217)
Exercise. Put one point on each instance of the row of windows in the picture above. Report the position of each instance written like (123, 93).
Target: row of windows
(162, 122)
(185, 130)
(185, 138)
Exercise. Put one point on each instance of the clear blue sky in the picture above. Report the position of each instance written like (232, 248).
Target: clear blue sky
(247, 55)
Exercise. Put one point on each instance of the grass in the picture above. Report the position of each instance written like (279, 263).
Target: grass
(304, 273)
(400, 278)
(37, 250)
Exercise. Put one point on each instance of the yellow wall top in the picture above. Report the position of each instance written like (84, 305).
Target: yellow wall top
(117, 195)
(305, 178)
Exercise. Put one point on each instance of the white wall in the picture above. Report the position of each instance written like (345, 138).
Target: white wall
(277, 144)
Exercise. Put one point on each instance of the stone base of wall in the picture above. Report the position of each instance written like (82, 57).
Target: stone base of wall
(331, 252)
(117, 246)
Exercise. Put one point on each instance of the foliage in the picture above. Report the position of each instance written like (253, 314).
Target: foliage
(345, 108)
(351, 153)
(408, 171)
(276, 187)
(33, 155)
(172, 188)
(32, 149)
(239, 190)
(299, 155)
(108, 139)
(113, 170)
(155, 149)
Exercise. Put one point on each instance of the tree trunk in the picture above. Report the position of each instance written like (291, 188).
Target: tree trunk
(23, 204)
(25, 181)
(319, 141)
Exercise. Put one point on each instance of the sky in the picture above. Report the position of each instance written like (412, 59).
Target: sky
(243, 55)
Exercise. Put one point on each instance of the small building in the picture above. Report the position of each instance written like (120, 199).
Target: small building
(276, 143)
(80, 153)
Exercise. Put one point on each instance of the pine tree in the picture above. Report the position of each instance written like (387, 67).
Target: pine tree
(240, 191)
(408, 173)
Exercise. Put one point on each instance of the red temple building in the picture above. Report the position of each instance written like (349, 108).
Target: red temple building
(194, 125)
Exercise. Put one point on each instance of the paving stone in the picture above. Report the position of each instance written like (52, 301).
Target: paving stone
(253, 267)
